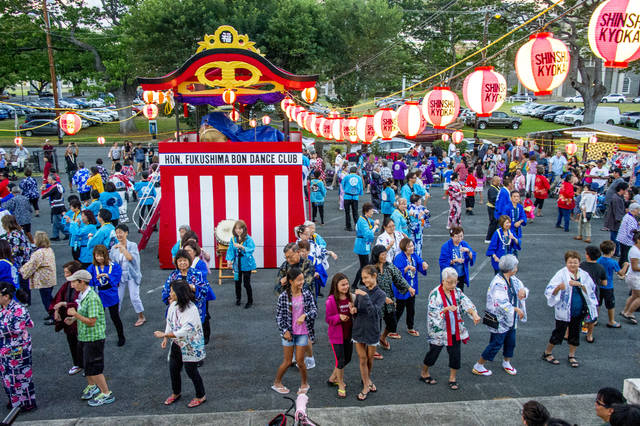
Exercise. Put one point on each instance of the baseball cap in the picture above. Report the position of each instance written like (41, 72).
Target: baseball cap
(81, 275)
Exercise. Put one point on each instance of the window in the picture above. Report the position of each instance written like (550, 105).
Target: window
(626, 85)
(499, 114)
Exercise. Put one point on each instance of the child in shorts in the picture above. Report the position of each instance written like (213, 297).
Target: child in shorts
(606, 293)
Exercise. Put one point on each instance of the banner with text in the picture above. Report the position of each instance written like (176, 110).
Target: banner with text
(232, 159)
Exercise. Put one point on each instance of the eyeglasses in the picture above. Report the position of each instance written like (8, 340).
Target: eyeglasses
(600, 403)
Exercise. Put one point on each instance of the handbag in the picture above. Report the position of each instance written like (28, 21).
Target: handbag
(490, 320)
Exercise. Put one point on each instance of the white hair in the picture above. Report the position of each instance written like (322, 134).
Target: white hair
(309, 223)
(508, 263)
(448, 273)
(185, 227)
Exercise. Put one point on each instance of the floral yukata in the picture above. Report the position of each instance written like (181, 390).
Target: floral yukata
(15, 355)
(455, 204)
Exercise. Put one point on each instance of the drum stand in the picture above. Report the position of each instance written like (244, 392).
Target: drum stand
(221, 253)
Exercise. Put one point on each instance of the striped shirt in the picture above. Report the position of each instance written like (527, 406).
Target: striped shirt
(628, 225)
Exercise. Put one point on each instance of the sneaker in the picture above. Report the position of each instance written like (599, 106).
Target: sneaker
(74, 370)
(89, 392)
(509, 368)
(309, 362)
(102, 399)
(480, 370)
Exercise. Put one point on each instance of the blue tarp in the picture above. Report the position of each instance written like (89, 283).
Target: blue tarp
(234, 133)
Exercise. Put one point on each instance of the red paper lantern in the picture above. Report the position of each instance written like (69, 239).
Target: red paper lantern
(571, 148)
(301, 118)
(385, 124)
(266, 120)
(593, 139)
(365, 129)
(285, 103)
(457, 137)
(350, 129)
(150, 111)
(614, 33)
(440, 107)
(410, 119)
(229, 97)
(253, 122)
(310, 95)
(445, 137)
(542, 64)
(484, 91)
(336, 129)
(101, 140)
(317, 126)
(234, 115)
(310, 121)
(519, 141)
(327, 128)
(18, 141)
(71, 123)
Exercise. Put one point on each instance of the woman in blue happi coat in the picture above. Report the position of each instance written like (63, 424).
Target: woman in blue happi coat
(409, 263)
(8, 271)
(111, 200)
(388, 198)
(80, 231)
(105, 235)
(366, 228)
(105, 279)
(518, 217)
(458, 255)
(503, 242)
(240, 254)
(194, 278)
(194, 250)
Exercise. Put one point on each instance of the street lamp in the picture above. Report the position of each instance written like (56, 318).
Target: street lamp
(488, 16)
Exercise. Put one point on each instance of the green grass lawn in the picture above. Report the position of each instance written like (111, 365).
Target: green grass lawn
(110, 131)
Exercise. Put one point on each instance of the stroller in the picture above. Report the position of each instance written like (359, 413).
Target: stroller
(300, 418)
(601, 207)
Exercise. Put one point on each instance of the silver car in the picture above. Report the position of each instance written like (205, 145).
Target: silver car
(396, 145)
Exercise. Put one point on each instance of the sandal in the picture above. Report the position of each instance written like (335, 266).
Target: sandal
(377, 356)
(342, 393)
(282, 390)
(428, 380)
(453, 385)
(574, 363)
(196, 402)
(386, 346)
(362, 396)
(140, 322)
(629, 318)
(593, 339)
(171, 399)
(303, 389)
(394, 336)
(330, 383)
(373, 388)
(413, 333)
(550, 359)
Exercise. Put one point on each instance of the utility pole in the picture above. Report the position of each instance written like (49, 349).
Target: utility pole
(52, 67)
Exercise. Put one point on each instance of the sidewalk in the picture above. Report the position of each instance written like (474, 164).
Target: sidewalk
(576, 409)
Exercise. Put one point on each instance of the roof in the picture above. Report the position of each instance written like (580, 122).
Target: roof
(605, 132)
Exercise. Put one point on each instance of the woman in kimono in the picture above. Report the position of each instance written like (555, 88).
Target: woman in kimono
(15, 349)
(409, 263)
(126, 254)
(506, 300)
(105, 279)
(455, 201)
(502, 242)
(193, 277)
(445, 326)
(80, 231)
(571, 292)
(390, 239)
(318, 253)
(194, 251)
(457, 254)
(187, 342)
(418, 220)
(401, 216)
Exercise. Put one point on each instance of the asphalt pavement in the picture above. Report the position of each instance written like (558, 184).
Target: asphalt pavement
(245, 350)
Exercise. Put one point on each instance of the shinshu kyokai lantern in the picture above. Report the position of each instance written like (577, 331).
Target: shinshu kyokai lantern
(309, 121)
(384, 123)
(349, 129)
(614, 32)
(365, 129)
(101, 140)
(229, 97)
(410, 119)
(234, 115)
(440, 107)
(18, 141)
(310, 95)
(571, 148)
(150, 111)
(317, 127)
(71, 123)
(285, 103)
(542, 64)
(484, 91)
(266, 120)
(457, 136)
(301, 118)
(327, 128)
(336, 129)
(445, 137)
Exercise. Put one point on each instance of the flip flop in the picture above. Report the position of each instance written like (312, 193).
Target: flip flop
(614, 325)
(139, 322)
(385, 347)
(304, 389)
(453, 386)
(394, 336)
(414, 333)
(373, 388)
(378, 356)
(330, 383)
(428, 380)
(362, 396)
(195, 402)
(593, 339)
(282, 390)
(342, 393)
(171, 399)
(550, 359)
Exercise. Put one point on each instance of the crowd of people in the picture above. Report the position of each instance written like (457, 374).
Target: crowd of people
(365, 312)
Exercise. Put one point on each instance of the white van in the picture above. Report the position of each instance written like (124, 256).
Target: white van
(604, 114)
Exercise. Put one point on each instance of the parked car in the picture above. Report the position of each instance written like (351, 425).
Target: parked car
(396, 145)
(522, 97)
(540, 112)
(535, 109)
(48, 128)
(429, 134)
(636, 100)
(520, 109)
(497, 119)
(608, 115)
(3, 114)
(553, 115)
(631, 119)
(572, 99)
(613, 97)
(11, 112)
(387, 102)
(551, 110)
(40, 115)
